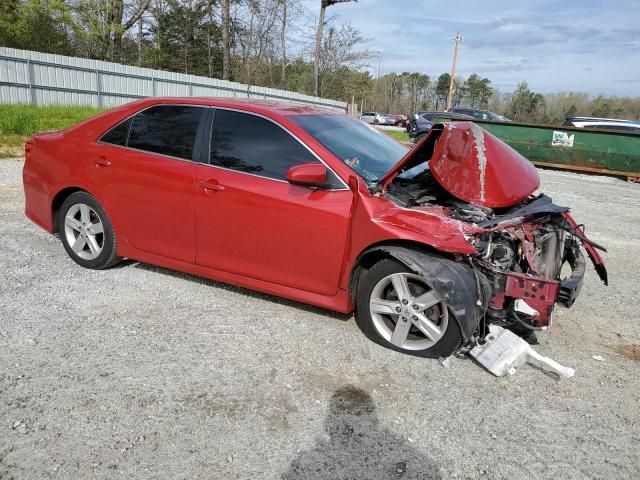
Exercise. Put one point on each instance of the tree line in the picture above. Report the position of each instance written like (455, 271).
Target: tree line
(259, 42)
(269, 43)
(552, 108)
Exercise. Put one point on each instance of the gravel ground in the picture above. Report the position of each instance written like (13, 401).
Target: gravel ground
(141, 372)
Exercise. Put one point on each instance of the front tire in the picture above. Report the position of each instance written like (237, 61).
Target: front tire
(86, 232)
(397, 309)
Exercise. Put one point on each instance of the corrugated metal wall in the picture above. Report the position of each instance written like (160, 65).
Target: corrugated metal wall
(45, 79)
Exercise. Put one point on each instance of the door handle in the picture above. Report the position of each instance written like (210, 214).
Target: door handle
(211, 185)
(102, 162)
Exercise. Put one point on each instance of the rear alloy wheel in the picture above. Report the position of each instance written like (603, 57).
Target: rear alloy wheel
(86, 232)
(397, 309)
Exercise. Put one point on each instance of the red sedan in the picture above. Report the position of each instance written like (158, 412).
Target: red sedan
(429, 245)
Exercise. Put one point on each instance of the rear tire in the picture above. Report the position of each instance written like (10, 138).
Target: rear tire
(385, 318)
(86, 232)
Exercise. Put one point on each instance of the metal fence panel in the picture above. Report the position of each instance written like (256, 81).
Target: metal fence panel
(45, 79)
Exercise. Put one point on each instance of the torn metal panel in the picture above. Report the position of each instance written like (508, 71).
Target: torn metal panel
(480, 169)
(432, 224)
(590, 247)
(539, 205)
(481, 154)
(472, 165)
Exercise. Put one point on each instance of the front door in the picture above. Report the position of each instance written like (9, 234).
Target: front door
(251, 221)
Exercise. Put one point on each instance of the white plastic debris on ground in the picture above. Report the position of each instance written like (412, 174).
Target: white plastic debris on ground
(504, 351)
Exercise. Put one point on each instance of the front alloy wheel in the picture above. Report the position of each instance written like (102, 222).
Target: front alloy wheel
(407, 313)
(397, 309)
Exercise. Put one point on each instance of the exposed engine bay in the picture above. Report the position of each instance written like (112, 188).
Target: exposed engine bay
(528, 255)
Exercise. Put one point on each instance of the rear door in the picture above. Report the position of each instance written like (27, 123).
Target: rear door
(143, 171)
(252, 222)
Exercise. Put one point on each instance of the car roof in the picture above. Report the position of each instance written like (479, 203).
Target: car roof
(601, 119)
(467, 109)
(445, 114)
(265, 107)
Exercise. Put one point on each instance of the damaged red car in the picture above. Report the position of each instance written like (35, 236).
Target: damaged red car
(429, 245)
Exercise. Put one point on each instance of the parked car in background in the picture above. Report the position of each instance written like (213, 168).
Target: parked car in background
(603, 124)
(400, 120)
(389, 119)
(376, 118)
(480, 114)
(423, 121)
(429, 245)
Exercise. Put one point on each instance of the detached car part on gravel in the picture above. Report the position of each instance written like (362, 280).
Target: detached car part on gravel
(429, 246)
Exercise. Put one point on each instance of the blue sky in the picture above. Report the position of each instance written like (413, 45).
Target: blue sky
(591, 46)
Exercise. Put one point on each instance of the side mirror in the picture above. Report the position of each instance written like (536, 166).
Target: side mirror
(308, 174)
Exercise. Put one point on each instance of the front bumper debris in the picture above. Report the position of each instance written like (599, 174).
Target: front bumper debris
(535, 295)
(504, 351)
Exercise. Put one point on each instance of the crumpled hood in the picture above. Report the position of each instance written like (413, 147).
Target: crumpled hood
(472, 165)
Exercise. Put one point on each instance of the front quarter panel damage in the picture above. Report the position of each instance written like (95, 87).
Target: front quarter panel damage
(462, 287)
(429, 225)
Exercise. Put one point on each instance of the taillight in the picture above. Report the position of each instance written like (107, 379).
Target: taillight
(28, 146)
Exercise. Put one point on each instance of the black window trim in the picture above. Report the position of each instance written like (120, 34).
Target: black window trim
(207, 161)
(197, 141)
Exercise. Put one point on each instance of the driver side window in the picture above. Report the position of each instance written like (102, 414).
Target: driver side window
(251, 144)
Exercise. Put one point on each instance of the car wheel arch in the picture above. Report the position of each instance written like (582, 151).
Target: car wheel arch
(64, 193)
(57, 201)
(376, 252)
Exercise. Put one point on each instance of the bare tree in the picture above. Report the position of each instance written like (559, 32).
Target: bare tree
(316, 64)
(226, 44)
(101, 24)
(339, 51)
(119, 26)
(256, 36)
(283, 41)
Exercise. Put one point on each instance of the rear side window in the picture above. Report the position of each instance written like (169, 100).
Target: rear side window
(118, 134)
(252, 144)
(166, 129)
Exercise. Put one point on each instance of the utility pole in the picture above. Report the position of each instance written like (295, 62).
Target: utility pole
(458, 41)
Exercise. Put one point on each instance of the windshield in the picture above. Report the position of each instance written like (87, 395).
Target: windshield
(364, 149)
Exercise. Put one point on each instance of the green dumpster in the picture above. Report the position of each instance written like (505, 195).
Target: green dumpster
(601, 151)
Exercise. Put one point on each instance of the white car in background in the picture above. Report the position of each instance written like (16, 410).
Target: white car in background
(376, 118)
(604, 124)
